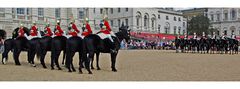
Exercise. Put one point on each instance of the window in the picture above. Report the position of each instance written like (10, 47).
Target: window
(153, 24)
(179, 30)
(167, 18)
(126, 9)
(81, 14)
(233, 12)
(28, 11)
(57, 12)
(20, 11)
(126, 21)
(159, 17)
(179, 19)
(159, 27)
(106, 11)
(174, 30)
(111, 10)
(101, 11)
(175, 19)
(119, 10)
(111, 23)
(137, 23)
(94, 10)
(184, 24)
(212, 18)
(225, 16)
(119, 22)
(218, 17)
(40, 11)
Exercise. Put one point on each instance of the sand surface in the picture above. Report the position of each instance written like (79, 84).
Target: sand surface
(134, 65)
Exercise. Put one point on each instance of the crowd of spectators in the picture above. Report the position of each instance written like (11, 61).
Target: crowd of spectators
(144, 44)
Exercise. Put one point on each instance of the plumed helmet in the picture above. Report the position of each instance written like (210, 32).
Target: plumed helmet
(58, 21)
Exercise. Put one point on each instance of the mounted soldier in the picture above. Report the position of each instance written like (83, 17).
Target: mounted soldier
(86, 28)
(58, 31)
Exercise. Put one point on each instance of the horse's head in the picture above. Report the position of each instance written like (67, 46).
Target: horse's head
(125, 33)
(15, 32)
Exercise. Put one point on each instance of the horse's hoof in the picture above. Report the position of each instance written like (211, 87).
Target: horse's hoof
(90, 72)
(34, 65)
(18, 64)
(44, 67)
(98, 69)
(74, 70)
(92, 68)
(52, 68)
(59, 68)
(69, 71)
(114, 70)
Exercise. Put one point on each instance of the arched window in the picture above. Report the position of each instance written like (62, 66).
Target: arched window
(146, 21)
(138, 19)
(232, 29)
(225, 14)
(153, 22)
(233, 14)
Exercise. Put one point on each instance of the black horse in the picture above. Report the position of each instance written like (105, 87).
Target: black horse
(58, 44)
(73, 45)
(94, 44)
(177, 44)
(20, 44)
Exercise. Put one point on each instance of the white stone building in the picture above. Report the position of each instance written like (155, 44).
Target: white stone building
(226, 20)
(153, 20)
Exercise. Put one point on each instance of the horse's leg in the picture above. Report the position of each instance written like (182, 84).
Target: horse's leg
(5, 56)
(16, 54)
(64, 52)
(87, 61)
(31, 54)
(43, 54)
(71, 61)
(91, 62)
(56, 60)
(97, 59)
(53, 58)
(113, 60)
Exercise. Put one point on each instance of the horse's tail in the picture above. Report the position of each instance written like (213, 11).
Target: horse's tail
(38, 50)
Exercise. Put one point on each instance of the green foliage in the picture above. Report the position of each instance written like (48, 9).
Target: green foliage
(200, 24)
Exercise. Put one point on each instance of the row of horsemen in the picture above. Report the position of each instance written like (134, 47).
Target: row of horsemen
(208, 44)
(86, 44)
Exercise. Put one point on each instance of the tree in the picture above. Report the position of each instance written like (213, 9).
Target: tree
(200, 24)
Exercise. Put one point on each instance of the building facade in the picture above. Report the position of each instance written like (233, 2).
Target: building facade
(152, 20)
(225, 20)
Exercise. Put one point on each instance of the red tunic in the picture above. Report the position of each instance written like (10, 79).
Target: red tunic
(49, 32)
(20, 32)
(58, 31)
(33, 31)
(89, 30)
(75, 32)
(107, 25)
